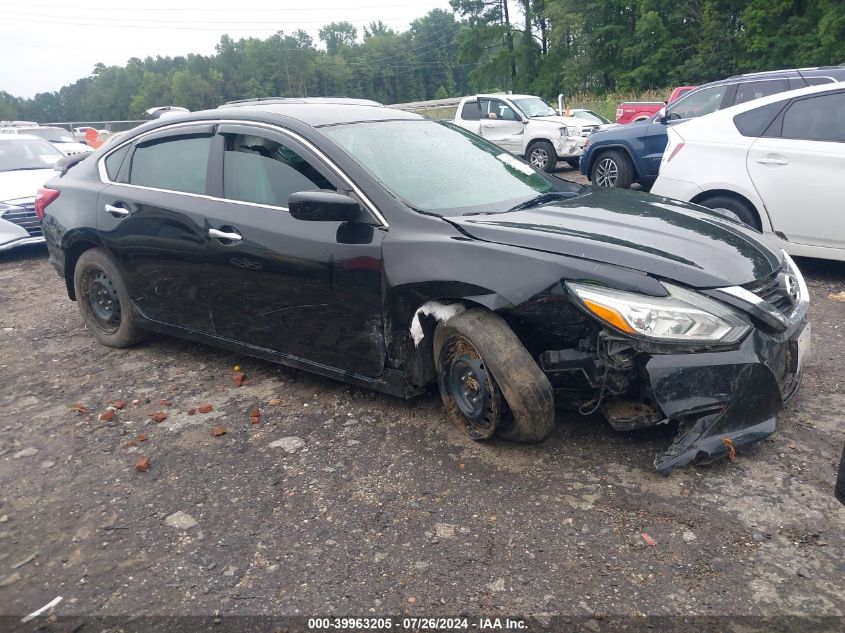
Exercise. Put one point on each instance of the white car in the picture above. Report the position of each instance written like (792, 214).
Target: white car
(776, 163)
(594, 119)
(26, 163)
(526, 126)
(61, 138)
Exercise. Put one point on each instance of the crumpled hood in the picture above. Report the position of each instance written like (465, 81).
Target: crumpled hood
(559, 120)
(23, 183)
(664, 238)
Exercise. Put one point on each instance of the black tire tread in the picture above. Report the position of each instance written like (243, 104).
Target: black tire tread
(525, 387)
(128, 333)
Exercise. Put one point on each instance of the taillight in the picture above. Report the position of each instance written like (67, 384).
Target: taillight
(675, 151)
(619, 113)
(42, 199)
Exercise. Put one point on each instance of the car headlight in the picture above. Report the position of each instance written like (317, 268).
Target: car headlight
(573, 131)
(564, 131)
(681, 317)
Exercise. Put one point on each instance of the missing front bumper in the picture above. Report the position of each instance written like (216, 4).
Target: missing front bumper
(723, 400)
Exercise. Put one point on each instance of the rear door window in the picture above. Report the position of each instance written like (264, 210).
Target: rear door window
(175, 163)
(750, 90)
(818, 118)
(470, 111)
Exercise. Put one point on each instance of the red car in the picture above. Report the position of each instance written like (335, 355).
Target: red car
(630, 111)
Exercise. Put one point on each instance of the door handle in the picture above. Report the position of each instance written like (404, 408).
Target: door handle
(772, 160)
(117, 212)
(223, 235)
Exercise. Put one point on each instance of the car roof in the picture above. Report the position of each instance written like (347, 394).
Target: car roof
(317, 114)
(834, 72)
(332, 100)
(499, 95)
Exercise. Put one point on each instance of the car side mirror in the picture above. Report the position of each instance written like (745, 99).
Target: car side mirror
(661, 115)
(323, 206)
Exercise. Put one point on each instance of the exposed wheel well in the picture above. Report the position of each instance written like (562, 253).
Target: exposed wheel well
(71, 257)
(704, 196)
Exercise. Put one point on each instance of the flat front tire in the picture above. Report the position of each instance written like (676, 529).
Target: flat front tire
(489, 382)
(541, 155)
(612, 169)
(104, 300)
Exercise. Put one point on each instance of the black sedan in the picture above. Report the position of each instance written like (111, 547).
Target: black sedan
(389, 251)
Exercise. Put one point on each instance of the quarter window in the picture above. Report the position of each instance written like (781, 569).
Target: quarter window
(697, 104)
(755, 122)
(115, 160)
(820, 118)
(175, 163)
(261, 170)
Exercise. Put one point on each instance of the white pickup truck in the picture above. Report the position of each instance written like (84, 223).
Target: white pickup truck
(526, 126)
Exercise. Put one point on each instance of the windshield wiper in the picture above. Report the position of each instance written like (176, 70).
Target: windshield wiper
(549, 196)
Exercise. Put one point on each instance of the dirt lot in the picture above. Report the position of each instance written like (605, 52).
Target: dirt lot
(371, 505)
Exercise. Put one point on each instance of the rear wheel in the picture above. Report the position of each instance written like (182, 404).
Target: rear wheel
(489, 382)
(734, 208)
(104, 301)
(612, 169)
(541, 154)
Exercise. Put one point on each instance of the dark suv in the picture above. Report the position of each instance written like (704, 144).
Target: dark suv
(632, 153)
(386, 250)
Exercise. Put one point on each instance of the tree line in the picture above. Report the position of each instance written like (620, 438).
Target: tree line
(543, 47)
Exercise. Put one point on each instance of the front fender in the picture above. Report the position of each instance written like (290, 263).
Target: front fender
(499, 277)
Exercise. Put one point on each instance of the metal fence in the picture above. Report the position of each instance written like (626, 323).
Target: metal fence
(109, 126)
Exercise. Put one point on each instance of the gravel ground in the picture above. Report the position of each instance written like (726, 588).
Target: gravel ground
(345, 502)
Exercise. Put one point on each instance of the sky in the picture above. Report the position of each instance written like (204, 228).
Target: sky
(46, 44)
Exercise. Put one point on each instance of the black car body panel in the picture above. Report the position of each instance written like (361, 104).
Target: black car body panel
(640, 231)
(339, 298)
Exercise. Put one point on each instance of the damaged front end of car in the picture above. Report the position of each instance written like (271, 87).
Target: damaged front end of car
(719, 362)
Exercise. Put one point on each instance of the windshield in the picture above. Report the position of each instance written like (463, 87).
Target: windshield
(27, 154)
(534, 107)
(440, 168)
(592, 117)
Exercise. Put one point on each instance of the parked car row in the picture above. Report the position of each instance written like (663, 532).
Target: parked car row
(26, 163)
(390, 251)
(759, 147)
(60, 138)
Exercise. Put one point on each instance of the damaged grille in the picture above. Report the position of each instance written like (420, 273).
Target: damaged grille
(772, 290)
(24, 216)
(586, 130)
